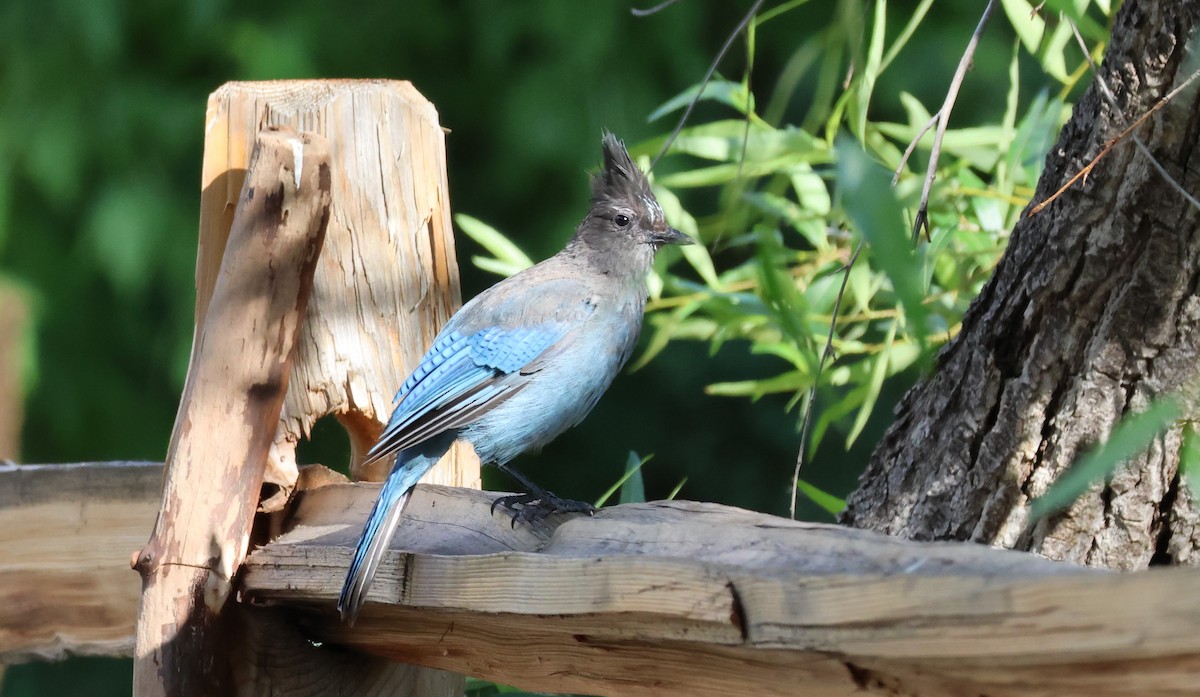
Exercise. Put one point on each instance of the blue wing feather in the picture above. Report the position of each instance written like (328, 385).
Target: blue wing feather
(449, 378)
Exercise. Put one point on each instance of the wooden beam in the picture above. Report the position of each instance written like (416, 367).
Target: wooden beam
(228, 416)
(660, 598)
(700, 599)
(68, 534)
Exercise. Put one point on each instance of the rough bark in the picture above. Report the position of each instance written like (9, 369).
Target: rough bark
(1092, 312)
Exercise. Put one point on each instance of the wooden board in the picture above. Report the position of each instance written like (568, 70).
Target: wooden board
(700, 599)
(648, 599)
(67, 533)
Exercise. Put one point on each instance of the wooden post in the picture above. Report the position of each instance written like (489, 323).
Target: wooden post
(12, 329)
(386, 282)
(387, 279)
(228, 416)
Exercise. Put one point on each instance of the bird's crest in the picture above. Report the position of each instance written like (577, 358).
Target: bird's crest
(621, 178)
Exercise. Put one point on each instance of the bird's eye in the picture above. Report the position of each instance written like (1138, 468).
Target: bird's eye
(621, 220)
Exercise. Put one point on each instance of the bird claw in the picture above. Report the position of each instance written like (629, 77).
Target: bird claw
(533, 508)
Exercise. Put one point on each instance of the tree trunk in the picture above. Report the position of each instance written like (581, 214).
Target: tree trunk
(1092, 312)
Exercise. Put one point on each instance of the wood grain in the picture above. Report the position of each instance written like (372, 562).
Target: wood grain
(700, 599)
(68, 534)
(228, 416)
(386, 282)
(387, 279)
(648, 599)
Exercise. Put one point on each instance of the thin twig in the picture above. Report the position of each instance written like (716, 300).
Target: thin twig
(913, 146)
(826, 353)
(1108, 146)
(651, 10)
(922, 219)
(1112, 102)
(712, 68)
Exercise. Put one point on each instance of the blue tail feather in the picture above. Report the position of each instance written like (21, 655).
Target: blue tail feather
(411, 465)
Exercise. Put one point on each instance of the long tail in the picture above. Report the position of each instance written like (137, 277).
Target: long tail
(411, 465)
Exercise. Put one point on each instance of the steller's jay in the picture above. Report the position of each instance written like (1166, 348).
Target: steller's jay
(525, 360)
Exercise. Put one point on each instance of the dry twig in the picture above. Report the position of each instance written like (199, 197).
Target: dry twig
(826, 354)
(942, 118)
(1128, 132)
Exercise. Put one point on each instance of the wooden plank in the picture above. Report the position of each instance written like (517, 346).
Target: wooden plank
(660, 598)
(68, 534)
(699, 599)
(228, 417)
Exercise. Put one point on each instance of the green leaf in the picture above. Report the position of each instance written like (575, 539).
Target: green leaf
(1130, 437)
(695, 254)
(874, 387)
(509, 258)
(830, 503)
(791, 381)
(909, 29)
(635, 492)
(675, 492)
(1026, 22)
(731, 141)
(870, 72)
(725, 92)
(871, 205)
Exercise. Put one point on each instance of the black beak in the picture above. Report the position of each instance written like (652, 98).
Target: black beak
(670, 236)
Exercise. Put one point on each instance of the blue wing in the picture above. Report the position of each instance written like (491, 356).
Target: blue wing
(460, 378)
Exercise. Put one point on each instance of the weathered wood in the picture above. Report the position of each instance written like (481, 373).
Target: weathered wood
(701, 599)
(658, 598)
(228, 416)
(13, 325)
(68, 532)
(387, 279)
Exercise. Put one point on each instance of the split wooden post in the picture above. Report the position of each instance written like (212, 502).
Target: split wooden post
(387, 279)
(240, 365)
(386, 282)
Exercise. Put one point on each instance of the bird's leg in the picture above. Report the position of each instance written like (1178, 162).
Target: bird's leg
(538, 503)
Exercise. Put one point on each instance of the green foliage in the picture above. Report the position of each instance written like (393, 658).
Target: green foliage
(631, 485)
(101, 136)
(506, 259)
(782, 203)
(828, 502)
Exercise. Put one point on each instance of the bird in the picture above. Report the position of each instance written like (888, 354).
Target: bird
(524, 360)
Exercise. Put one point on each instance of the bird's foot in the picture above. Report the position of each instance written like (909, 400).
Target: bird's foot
(533, 508)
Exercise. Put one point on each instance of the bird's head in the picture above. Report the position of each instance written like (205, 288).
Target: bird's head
(624, 211)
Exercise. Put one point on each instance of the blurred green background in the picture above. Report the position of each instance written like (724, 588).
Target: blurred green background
(101, 132)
